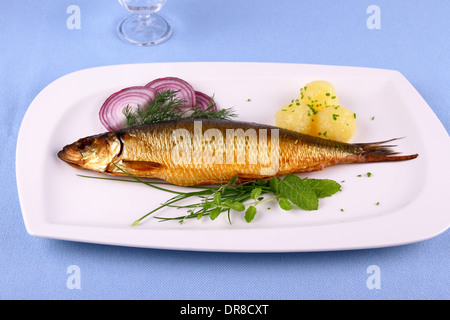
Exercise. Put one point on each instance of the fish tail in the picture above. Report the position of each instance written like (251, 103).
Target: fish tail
(380, 152)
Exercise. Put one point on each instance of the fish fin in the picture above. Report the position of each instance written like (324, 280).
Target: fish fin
(242, 177)
(380, 152)
(141, 165)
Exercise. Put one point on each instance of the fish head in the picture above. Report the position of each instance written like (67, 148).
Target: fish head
(93, 153)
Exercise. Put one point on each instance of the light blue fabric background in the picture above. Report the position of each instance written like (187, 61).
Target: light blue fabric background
(36, 48)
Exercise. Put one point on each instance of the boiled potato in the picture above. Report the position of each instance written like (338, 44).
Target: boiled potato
(294, 116)
(336, 123)
(318, 94)
(317, 112)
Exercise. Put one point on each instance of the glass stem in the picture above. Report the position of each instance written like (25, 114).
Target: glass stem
(144, 19)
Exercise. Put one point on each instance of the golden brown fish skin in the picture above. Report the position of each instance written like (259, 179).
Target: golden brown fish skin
(148, 151)
(94, 152)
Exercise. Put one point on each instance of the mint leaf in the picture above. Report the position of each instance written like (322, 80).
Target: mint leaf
(285, 204)
(255, 193)
(214, 213)
(299, 192)
(228, 203)
(250, 214)
(218, 198)
(208, 205)
(261, 182)
(323, 187)
(275, 185)
(238, 206)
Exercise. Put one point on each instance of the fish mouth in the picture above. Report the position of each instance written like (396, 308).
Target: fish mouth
(70, 155)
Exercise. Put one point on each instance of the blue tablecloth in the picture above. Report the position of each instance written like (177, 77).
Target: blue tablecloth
(37, 47)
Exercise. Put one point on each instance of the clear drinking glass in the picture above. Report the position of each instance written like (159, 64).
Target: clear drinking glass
(144, 27)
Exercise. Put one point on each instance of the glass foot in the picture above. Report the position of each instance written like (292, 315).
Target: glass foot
(145, 31)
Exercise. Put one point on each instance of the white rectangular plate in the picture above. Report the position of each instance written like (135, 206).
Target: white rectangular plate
(56, 203)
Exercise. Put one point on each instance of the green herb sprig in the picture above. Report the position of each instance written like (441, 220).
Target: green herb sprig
(289, 192)
(167, 106)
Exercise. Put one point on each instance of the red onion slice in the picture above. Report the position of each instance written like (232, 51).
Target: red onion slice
(184, 90)
(111, 113)
(204, 101)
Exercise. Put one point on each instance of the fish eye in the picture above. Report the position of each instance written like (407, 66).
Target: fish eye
(84, 143)
(83, 146)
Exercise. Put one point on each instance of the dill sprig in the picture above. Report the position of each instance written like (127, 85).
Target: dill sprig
(167, 106)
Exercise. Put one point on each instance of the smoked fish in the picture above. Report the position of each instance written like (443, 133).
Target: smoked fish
(206, 151)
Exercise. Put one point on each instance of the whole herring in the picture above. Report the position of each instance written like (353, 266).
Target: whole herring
(193, 152)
